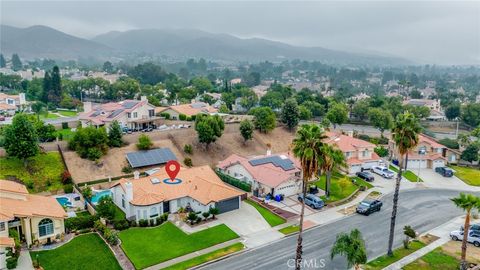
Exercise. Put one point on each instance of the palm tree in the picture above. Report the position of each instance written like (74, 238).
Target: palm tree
(334, 160)
(38, 108)
(352, 247)
(405, 135)
(467, 202)
(306, 147)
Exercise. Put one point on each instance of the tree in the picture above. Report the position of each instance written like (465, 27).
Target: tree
(360, 109)
(3, 63)
(304, 113)
(415, 94)
(352, 247)
(21, 140)
(246, 129)
(290, 113)
(108, 67)
(46, 86)
(38, 108)
(115, 135)
(409, 233)
(405, 135)
(16, 62)
(106, 208)
(380, 119)
(316, 108)
(148, 73)
(420, 112)
(470, 114)
(466, 202)
(90, 142)
(333, 160)
(272, 99)
(214, 211)
(55, 93)
(202, 84)
(452, 112)
(337, 114)
(223, 109)
(306, 147)
(470, 153)
(209, 128)
(144, 142)
(264, 119)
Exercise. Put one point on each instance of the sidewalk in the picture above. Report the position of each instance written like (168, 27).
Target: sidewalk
(24, 261)
(192, 255)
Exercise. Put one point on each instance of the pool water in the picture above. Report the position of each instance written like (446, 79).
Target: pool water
(98, 195)
(63, 201)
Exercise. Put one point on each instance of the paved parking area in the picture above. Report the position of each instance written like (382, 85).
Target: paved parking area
(434, 180)
(291, 204)
(244, 221)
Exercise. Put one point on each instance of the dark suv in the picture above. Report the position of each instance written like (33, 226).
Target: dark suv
(444, 171)
(366, 176)
(366, 207)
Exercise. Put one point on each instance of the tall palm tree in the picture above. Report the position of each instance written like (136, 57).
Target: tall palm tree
(352, 247)
(306, 147)
(467, 202)
(334, 160)
(405, 135)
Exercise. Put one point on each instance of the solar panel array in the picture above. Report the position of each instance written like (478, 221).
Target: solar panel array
(129, 104)
(198, 105)
(115, 113)
(150, 157)
(286, 164)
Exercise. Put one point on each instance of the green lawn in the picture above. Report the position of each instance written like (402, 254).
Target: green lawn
(290, 229)
(409, 175)
(67, 134)
(337, 191)
(49, 115)
(399, 253)
(150, 246)
(206, 257)
(119, 214)
(435, 259)
(87, 251)
(43, 171)
(468, 175)
(68, 113)
(270, 217)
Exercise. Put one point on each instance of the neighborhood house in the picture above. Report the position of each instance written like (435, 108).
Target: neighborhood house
(427, 154)
(9, 104)
(195, 189)
(268, 174)
(189, 110)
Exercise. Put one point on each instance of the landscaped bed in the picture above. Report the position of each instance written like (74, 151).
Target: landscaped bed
(270, 217)
(435, 259)
(470, 176)
(43, 171)
(87, 251)
(290, 229)
(150, 246)
(337, 191)
(206, 257)
(384, 261)
(409, 175)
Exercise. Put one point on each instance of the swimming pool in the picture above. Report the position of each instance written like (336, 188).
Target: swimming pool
(99, 194)
(63, 201)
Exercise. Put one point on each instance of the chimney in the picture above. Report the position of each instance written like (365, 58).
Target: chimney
(136, 175)
(22, 99)
(129, 191)
(350, 133)
(87, 106)
(143, 98)
(269, 149)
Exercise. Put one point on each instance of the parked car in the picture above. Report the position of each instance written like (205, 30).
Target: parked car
(127, 130)
(444, 171)
(366, 207)
(473, 227)
(383, 171)
(313, 189)
(366, 176)
(473, 237)
(312, 200)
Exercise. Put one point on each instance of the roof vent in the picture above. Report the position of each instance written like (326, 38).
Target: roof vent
(155, 181)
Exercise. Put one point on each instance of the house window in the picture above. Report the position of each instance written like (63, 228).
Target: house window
(145, 216)
(10, 101)
(123, 200)
(151, 113)
(45, 227)
(2, 226)
(129, 115)
(153, 212)
(135, 115)
(364, 153)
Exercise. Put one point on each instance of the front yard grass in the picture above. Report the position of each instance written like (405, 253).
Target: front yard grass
(468, 175)
(43, 171)
(384, 261)
(66, 134)
(67, 113)
(270, 217)
(290, 229)
(150, 246)
(341, 186)
(435, 259)
(87, 251)
(206, 257)
(49, 115)
(119, 214)
(409, 175)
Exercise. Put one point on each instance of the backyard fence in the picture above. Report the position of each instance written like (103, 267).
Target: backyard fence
(234, 182)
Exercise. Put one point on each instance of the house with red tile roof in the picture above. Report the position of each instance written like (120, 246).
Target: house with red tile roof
(427, 154)
(133, 114)
(191, 109)
(268, 174)
(359, 154)
(197, 188)
(9, 104)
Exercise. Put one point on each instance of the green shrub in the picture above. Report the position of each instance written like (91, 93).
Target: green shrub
(453, 144)
(80, 222)
(82, 231)
(68, 188)
(234, 182)
(188, 162)
(121, 224)
(66, 177)
(12, 262)
(182, 117)
(151, 222)
(187, 148)
(64, 125)
(144, 142)
(188, 118)
(127, 169)
(143, 223)
(381, 151)
(166, 115)
(164, 217)
(106, 208)
(193, 117)
(158, 220)
(364, 137)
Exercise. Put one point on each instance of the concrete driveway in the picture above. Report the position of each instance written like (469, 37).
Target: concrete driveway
(244, 221)
(435, 180)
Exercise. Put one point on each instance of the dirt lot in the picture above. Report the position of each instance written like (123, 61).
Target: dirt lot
(280, 139)
(453, 248)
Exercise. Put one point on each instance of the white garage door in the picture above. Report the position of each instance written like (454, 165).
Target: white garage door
(355, 168)
(438, 163)
(415, 163)
(287, 190)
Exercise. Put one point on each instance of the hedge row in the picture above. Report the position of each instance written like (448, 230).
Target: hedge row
(234, 182)
(80, 222)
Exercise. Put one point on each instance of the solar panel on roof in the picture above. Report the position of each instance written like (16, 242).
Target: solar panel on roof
(198, 105)
(129, 104)
(150, 157)
(95, 114)
(285, 164)
(115, 113)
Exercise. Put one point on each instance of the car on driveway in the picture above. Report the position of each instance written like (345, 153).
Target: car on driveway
(312, 200)
(473, 227)
(366, 207)
(365, 176)
(473, 237)
(383, 171)
(444, 171)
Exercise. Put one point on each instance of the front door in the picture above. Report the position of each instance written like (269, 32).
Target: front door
(166, 207)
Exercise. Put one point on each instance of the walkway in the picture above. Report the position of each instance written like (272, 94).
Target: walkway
(192, 255)
(24, 261)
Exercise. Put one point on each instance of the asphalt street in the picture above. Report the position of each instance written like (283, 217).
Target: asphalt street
(421, 209)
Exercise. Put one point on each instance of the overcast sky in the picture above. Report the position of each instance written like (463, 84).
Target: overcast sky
(425, 32)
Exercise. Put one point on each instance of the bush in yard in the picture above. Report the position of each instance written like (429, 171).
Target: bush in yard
(199, 219)
(133, 223)
(80, 222)
(409, 233)
(66, 177)
(213, 211)
(90, 142)
(182, 117)
(68, 188)
(121, 224)
(364, 137)
(193, 117)
(187, 148)
(12, 262)
(127, 169)
(188, 162)
(151, 222)
(87, 193)
(166, 115)
(164, 216)
(234, 182)
(108, 234)
(106, 208)
(381, 151)
(205, 215)
(144, 142)
(143, 223)
(115, 135)
(64, 125)
(246, 129)
(192, 217)
(158, 220)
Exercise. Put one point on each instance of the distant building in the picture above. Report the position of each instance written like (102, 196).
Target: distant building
(133, 114)
(432, 104)
(235, 81)
(360, 96)
(9, 104)
(427, 154)
(191, 109)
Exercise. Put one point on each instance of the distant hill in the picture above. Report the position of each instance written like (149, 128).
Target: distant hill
(45, 42)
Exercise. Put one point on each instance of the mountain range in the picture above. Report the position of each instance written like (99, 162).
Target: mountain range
(46, 42)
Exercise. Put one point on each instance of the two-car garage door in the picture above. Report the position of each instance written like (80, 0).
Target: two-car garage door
(228, 204)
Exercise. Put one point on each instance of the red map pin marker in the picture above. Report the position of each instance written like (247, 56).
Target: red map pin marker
(172, 168)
